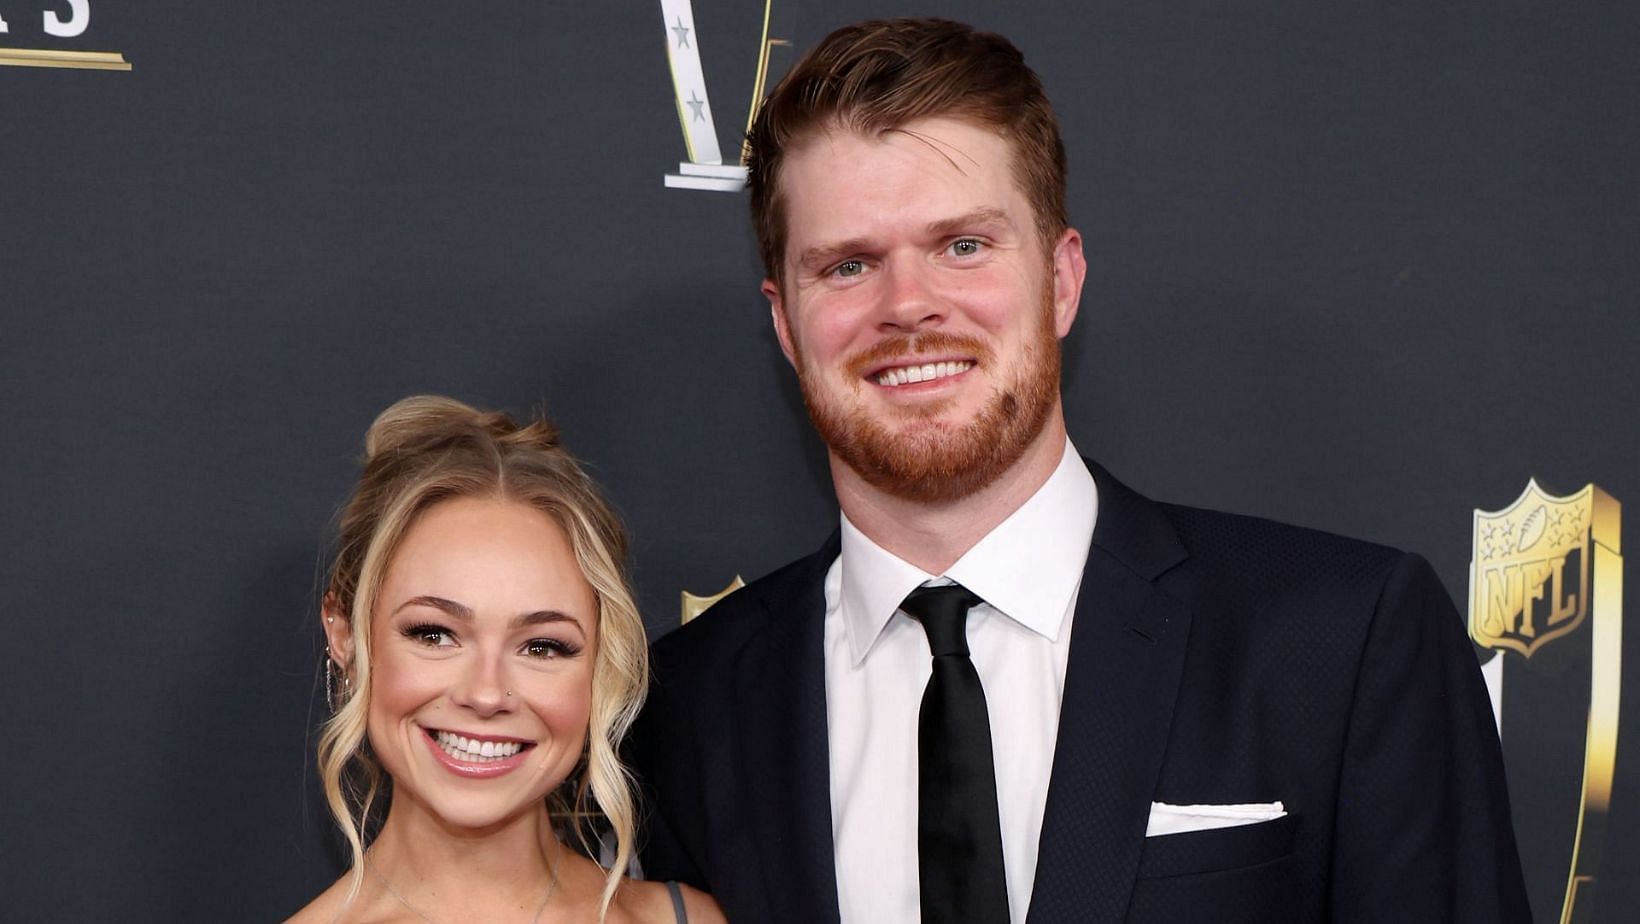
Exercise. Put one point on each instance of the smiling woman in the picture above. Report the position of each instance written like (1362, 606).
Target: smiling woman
(484, 659)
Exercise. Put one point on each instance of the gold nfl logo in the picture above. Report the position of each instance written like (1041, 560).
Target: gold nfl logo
(1543, 567)
(1529, 582)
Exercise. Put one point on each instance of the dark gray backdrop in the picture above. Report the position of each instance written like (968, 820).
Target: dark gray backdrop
(1356, 266)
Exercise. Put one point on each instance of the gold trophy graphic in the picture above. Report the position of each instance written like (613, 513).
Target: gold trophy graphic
(705, 168)
(1546, 593)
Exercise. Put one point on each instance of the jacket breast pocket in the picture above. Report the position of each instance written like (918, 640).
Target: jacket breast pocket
(1237, 875)
(1217, 849)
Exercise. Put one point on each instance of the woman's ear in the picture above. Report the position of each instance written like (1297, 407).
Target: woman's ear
(338, 633)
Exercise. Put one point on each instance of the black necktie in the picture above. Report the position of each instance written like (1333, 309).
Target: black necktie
(959, 839)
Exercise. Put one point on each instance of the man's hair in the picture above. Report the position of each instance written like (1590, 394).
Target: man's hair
(875, 76)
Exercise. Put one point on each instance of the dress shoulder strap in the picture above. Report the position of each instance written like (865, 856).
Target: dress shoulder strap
(677, 901)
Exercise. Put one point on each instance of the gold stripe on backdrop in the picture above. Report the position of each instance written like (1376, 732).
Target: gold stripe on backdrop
(84, 60)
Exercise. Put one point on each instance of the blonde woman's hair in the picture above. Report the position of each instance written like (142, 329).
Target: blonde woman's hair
(427, 449)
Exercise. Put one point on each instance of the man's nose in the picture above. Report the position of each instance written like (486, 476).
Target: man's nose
(909, 301)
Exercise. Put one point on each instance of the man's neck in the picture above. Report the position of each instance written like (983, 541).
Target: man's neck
(934, 536)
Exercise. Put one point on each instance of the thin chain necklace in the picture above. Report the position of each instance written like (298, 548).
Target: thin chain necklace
(552, 884)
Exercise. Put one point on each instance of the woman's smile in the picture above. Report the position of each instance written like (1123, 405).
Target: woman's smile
(476, 757)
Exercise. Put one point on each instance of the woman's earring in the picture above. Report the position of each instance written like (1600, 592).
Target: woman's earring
(331, 668)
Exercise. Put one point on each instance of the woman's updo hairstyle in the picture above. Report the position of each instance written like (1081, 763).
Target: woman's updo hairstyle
(427, 449)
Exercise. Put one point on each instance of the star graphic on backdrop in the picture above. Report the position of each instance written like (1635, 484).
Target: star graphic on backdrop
(683, 33)
(697, 106)
(1559, 531)
(1568, 528)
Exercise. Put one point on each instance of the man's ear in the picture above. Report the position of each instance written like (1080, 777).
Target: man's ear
(1070, 267)
(338, 633)
(777, 313)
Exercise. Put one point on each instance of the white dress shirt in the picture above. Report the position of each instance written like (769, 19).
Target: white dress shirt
(1028, 570)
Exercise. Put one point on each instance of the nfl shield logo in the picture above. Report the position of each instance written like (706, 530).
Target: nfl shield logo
(1529, 583)
(694, 605)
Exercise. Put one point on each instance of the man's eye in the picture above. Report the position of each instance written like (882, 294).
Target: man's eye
(849, 268)
(966, 247)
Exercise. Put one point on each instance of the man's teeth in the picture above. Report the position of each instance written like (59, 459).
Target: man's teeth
(927, 372)
(475, 751)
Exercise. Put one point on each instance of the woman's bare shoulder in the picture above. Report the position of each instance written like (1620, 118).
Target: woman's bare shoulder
(333, 907)
(651, 903)
(702, 908)
(324, 909)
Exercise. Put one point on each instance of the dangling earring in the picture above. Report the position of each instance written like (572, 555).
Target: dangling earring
(331, 668)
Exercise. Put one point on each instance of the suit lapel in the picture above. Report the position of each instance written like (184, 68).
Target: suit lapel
(782, 746)
(1127, 653)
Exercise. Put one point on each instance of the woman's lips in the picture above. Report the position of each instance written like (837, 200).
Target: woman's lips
(447, 745)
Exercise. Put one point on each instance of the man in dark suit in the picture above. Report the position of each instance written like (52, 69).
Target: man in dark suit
(1009, 687)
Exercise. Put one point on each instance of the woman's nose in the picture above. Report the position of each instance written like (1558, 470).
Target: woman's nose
(483, 687)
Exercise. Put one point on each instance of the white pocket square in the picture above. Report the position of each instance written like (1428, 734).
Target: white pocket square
(1177, 819)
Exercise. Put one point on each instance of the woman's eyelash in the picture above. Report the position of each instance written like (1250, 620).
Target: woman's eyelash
(437, 636)
(551, 647)
(422, 632)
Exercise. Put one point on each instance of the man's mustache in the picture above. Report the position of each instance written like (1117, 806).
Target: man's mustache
(886, 351)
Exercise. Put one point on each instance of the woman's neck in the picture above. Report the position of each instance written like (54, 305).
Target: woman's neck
(434, 866)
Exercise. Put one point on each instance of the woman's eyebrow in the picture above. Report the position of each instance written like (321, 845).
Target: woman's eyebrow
(465, 613)
(450, 607)
(544, 617)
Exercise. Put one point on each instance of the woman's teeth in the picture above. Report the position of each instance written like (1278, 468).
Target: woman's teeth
(475, 751)
(905, 375)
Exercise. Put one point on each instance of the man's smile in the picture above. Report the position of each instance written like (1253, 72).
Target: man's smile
(896, 376)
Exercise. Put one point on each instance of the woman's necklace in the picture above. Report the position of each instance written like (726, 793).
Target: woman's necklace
(551, 885)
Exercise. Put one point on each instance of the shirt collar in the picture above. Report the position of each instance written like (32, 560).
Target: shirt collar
(1028, 568)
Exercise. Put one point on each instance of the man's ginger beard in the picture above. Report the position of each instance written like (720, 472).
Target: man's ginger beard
(926, 461)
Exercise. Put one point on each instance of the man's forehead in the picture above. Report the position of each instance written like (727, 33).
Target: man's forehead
(927, 170)
(952, 135)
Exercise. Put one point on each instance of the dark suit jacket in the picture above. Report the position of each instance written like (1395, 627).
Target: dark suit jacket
(1214, 659)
